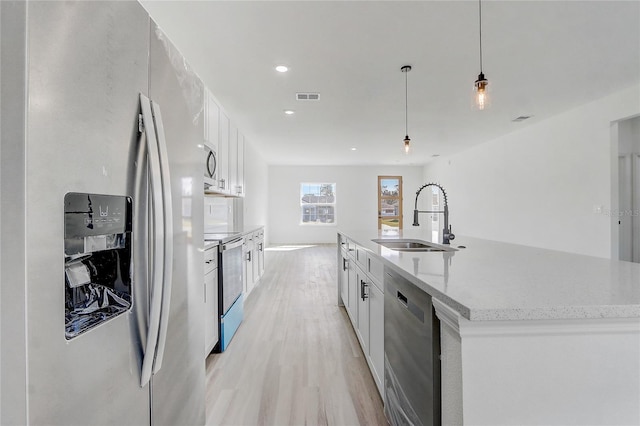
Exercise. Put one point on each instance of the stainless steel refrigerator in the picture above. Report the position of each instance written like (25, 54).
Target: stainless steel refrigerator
(101, 276)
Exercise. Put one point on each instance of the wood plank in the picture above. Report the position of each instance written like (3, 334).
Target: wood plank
(295, 358)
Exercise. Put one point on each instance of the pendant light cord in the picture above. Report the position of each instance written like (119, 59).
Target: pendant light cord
(480, 15)
(406, 103)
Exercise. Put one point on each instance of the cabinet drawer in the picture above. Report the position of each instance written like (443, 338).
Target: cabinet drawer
(342, 240)
(350, 247)
(210, 259)
(375, 269)
(361, 257)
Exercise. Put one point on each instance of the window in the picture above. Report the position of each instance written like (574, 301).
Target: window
(318, 203)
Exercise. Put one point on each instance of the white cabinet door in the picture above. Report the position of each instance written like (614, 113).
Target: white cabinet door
(240, 189)
(212, 121)
(352, 309)
(363, 290)
(261, 255)
(255, 263)
(210, 310)
(248, 250)
(223, 154)
(344, 278)
(233, 158)
(376, 335)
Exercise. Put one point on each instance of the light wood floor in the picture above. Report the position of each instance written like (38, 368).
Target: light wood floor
(295, 360)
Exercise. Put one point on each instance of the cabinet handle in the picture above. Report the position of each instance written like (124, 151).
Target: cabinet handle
(222, 184)
(344, 264)
(248, 256)
(363, 286)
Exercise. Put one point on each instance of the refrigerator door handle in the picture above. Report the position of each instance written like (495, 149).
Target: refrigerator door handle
(141, 237)
(167, 209)
(156, 234)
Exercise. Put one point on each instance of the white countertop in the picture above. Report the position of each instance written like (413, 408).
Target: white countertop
(224, 234)
(489, 280)
(210, 244)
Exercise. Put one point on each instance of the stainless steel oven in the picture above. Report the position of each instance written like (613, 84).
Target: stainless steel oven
(232, 271)
(230, 288)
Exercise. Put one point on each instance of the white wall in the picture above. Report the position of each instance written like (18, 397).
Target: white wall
(548, 185)
(356, 198)
(629, 136)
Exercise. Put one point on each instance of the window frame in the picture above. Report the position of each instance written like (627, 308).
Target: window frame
(334, 204)
(398, 198)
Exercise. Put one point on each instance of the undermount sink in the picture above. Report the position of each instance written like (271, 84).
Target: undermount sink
(412, 245)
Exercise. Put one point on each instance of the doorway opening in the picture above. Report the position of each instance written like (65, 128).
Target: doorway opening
(626, 211)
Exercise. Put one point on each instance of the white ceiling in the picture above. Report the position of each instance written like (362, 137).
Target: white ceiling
(540, 57)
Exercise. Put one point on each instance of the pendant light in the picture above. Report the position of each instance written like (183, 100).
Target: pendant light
(407, 142)
(480, 86)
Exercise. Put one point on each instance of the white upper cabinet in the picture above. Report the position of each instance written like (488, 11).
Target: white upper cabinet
(240, 165)
(225, 139)
(212, 121)
(223, 154)
(233, 158)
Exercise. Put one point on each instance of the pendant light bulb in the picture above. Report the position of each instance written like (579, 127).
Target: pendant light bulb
(407, 142)
(481, 91)
(480, 87)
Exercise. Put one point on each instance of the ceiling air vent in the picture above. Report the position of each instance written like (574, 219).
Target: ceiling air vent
(521, 118)
(307, 96)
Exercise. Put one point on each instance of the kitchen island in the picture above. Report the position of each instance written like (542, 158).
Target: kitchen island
(528, 335)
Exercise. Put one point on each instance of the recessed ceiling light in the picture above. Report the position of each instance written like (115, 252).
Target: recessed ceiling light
(354, 149)
(289, 111)
(282, 68)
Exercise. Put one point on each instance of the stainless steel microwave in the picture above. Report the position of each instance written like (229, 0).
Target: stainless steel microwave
(210, 168)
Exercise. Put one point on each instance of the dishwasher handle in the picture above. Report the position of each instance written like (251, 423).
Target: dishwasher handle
(414, 309)
(402, 298)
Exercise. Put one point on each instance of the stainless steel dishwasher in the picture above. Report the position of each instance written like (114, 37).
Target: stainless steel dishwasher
(412, 354)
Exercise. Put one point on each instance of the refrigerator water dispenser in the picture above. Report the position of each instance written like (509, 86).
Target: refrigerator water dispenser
(97, 259)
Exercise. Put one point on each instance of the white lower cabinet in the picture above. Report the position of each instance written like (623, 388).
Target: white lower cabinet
(361, 289)
(248, 251)
(259, 244)
(376, 334)
(343, 273)
(362, 284)
(253, 250)
(352, 308)
(210, 299)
